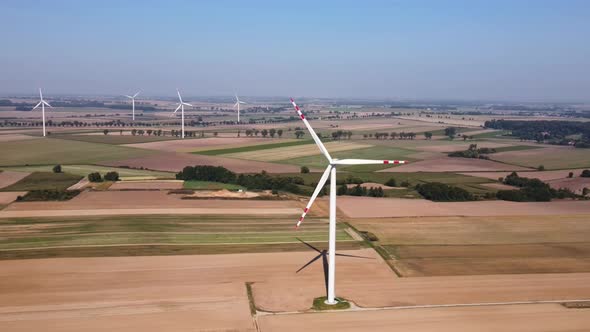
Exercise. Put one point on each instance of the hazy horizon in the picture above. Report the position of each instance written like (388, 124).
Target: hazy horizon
(514, 51)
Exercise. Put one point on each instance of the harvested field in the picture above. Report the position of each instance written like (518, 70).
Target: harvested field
(576, 185)
(147, 185)
(440, 260)
(434, 246)
(513, 318)
(460, 147)
(113, 138)
(174, 162)
(128, 292)
(447, 164)
(295, 151)
(44, 181)
(84, 170)
(198, 144)
(9, 197)
(551, 157)
(368, 207)
(8, 178)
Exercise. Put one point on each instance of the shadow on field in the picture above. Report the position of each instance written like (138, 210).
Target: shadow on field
(323, 254)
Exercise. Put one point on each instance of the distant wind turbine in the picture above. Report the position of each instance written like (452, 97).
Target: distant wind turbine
(238, 102)
(42, 103)
(133, 103)
(181, 107)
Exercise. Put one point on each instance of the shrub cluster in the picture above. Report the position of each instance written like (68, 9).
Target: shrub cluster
(48, 195)
(358, 190)
(111, 176)
(531, 190)
(94, 177)
(473, 152)
(257, 181)
(441, 192)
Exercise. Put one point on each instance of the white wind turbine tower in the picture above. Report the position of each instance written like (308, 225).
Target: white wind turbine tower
(133, 103)
(42, 103)
(181, 105)
(238, 102)
(331, 173)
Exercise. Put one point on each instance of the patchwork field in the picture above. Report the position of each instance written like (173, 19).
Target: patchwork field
(114, 137)
(198, 144)
(448, 164)
(295, 152)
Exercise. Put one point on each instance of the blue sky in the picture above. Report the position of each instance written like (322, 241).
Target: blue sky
(505, 50)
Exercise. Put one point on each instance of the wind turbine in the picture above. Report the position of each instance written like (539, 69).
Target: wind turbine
(181, 107)
(238, 102)
(42, 103)
(133, 103)
(330, 172)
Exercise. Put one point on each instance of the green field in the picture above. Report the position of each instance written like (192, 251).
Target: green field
(118, 235)
(51, 151)
(84, 170)
(44, 180)
(208, 185)
(250, 148)
(114, 138)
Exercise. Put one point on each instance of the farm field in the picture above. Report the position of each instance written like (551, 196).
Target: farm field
(8, 178)
(147, 185)
(131, 235)
(114, 137)
(207, 185)
(44, 180)
(367, 207)
(208, 143)
(128, 292)
(550, 158)
(295, 152)
(50, 151)
(84, 170)
(367, 152)
(175, 162)
(454, 245)
(448, 164)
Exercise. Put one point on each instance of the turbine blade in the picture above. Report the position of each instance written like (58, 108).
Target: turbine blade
(236, 104)
(315, 194)
(135, 95)
(366, 162)
(39, 104)
(311, 261)
(128, 96)
(242, 102)
(312, 132)
(187, 104)
(177, 108)
(179, 97)
(40, 94)
(46, 103)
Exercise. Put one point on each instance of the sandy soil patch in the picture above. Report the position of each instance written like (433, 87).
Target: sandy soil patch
(447, 164)
(210, 143)
(10, 196)
(147, 185)
(368, 207)
(83, 183)
(514, 318)
(8, 178)
(224, 193)
(174, 162)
